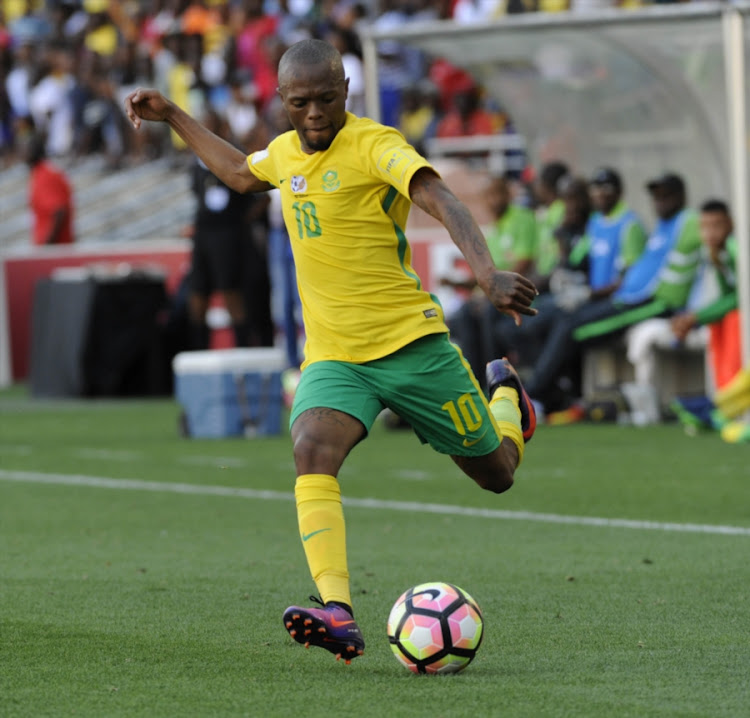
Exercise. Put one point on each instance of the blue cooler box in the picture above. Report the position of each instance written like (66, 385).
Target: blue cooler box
(230, 392)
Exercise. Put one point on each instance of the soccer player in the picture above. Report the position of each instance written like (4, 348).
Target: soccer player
(375, 338)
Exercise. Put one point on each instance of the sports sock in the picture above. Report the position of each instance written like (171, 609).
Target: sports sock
(323, 533)
(734, 398)
(504, 407)
(735, 405)
(736, 432)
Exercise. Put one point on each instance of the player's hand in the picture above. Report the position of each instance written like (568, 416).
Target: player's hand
(512, 294)
(682, 324)
(144, 104)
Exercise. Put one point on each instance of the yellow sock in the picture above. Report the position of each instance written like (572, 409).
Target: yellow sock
(733, 408)
(734, 398)
(504, 407)
(323, 534)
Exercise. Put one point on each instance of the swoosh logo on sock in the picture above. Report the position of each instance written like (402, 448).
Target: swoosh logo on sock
(313, 533)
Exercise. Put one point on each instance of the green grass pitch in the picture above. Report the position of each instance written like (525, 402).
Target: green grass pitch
(145, 575)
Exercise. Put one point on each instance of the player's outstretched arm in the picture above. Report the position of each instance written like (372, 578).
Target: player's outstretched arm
(225, 161)
(511, 293)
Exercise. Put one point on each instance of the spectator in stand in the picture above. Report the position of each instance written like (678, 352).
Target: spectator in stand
(252, 29)
(467, 117)
(50, 100)
(399, 66)
(553, 5)
(134, 68)
(657, 284)
(97, 119)
(161, 37)
(467, 12)
(511, 240)
(241, 112)
(50, 197)
(101, 34)
(182, 78)
(450, 81)
(199, 19)
(712, 303)
(157, 20)
(32, 25)
(346, 43)
(419, 114)
(18, 83)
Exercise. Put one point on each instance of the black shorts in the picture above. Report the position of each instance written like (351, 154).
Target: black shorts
(218, 259)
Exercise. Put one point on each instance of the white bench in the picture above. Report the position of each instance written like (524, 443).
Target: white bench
(680, 371)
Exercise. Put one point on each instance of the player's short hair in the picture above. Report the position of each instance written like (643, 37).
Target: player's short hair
(552, 173)
(715, 205)
(311, 52)
(607, 177)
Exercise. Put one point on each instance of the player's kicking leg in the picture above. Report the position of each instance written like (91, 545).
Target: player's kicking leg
(514, 415)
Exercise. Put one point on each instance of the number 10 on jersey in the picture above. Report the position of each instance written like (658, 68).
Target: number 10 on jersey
(307, 220)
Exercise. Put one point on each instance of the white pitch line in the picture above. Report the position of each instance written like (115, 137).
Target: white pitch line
(101, 482)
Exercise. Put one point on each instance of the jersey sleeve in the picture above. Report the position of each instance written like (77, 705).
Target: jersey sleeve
(391, 158)
(677, 276)
(728, 300)
(262, 165)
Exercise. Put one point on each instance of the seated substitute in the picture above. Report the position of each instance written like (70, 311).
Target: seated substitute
(711, 311)
(657, 284)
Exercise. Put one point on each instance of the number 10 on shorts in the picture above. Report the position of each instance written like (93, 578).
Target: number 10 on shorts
(464, 414)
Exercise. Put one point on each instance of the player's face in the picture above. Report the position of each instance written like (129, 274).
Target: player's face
(315, 100)
(715, 227)
(667, 202)
(604, 197)
(498, 197)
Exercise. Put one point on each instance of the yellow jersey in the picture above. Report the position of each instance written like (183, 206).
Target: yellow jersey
(345, 209)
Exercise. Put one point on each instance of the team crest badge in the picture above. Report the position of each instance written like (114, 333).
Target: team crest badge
(299, 183)
(331, 181)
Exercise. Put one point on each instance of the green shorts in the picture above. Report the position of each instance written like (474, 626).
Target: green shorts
(428, 383)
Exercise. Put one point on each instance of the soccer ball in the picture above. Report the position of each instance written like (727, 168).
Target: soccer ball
(435, 628)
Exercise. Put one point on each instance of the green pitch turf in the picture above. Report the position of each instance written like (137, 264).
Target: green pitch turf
(145, 575)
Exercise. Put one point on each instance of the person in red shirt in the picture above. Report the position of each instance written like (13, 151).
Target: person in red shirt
(50, 198)
(467, 117)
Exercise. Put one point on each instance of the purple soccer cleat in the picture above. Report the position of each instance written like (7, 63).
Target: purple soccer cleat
(500, 372)
(331, 627)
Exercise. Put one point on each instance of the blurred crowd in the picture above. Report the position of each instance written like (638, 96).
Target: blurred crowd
(66, 66)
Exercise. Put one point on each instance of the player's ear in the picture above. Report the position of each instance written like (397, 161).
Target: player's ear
(346, 88)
